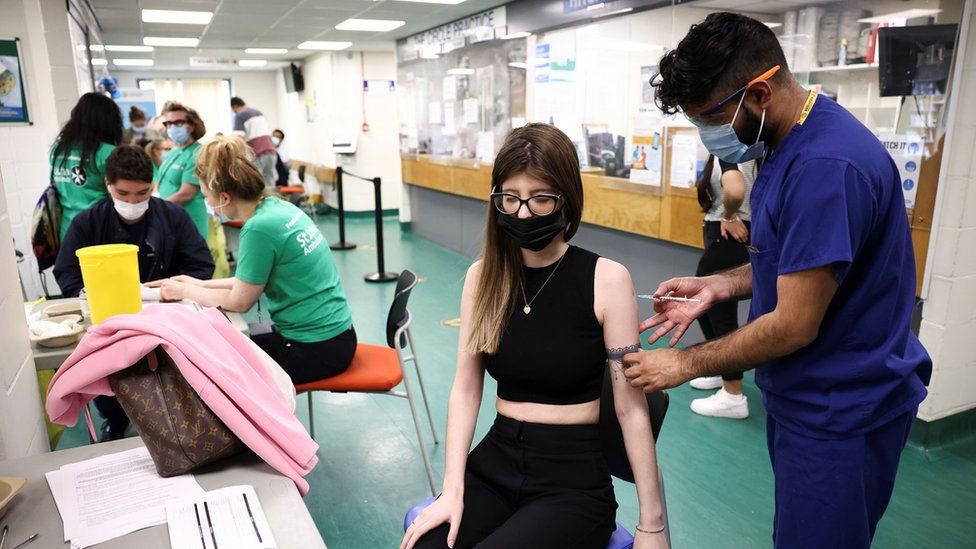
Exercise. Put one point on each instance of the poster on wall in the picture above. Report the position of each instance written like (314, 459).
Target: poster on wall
(144, 99)
(645, 151)
(906, 151)
(13, 90)
(684, 160)
(647, 72)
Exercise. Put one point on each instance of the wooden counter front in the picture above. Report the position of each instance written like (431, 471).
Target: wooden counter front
(673, 218)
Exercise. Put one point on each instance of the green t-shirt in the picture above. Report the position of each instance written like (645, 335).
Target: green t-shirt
(179, 167)
(283, 249)
(79, 187)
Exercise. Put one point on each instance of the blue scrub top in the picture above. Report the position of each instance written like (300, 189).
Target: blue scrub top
(831, 195)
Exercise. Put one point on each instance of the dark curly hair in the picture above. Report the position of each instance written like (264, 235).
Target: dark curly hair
(129, 162)
(717, 56)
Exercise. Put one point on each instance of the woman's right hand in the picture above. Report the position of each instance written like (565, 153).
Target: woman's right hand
(736, 229)
(445, 509)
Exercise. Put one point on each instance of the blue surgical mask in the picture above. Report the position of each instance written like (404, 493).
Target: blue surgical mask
(179, 134)
(724, 144)
(213, 211)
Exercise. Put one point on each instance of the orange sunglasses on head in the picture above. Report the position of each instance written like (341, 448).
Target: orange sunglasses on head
(761, 78)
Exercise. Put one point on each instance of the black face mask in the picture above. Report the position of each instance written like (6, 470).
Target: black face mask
(533, 233)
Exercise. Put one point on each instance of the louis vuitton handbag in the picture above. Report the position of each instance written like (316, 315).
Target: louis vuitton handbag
(176, 425)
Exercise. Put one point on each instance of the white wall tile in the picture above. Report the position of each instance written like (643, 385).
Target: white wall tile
(954, 191)
(962, 302)
(20, 412)
(936, 307)
(944, 258)
(965, 262)
(961, 150)
(969, 212)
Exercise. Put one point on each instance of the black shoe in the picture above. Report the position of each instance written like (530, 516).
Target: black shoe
(114, 430)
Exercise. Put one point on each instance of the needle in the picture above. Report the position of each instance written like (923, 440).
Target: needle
(670, 298)
(26, 541)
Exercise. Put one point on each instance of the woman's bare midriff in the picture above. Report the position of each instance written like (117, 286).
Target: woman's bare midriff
(553, 414)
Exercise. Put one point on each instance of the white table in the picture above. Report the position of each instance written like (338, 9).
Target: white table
(33, 511)
(52, 359)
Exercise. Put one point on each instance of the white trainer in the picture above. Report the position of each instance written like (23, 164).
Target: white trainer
(706, 383)
(722, 404)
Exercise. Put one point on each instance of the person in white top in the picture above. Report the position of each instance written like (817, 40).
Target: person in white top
(724, 196)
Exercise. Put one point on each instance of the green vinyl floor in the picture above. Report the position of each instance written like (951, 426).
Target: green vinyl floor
(718, 480)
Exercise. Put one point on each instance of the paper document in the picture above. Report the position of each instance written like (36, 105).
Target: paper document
(109, 496)
(229, 518)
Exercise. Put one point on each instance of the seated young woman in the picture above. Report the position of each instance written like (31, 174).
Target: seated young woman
(282, 254)
(544, 319)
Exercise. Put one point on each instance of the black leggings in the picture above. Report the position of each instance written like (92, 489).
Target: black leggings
(533, 485)
(720, 254)
(306, 362)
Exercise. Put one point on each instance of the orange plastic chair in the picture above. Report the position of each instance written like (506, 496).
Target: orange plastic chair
(378, 370)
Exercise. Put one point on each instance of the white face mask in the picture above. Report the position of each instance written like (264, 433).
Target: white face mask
(276, 140)
(131, 212)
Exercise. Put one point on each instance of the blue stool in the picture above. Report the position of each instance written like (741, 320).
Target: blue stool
(621, 538)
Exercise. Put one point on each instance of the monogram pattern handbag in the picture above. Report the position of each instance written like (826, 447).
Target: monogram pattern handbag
(176, 425)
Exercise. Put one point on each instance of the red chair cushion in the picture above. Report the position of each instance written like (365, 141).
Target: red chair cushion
(292, 189)
(236, 224)
(373, 368)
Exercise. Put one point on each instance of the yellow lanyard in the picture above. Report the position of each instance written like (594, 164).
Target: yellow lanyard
(807, 107)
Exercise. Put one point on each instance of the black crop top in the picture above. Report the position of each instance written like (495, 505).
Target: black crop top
(555, 354)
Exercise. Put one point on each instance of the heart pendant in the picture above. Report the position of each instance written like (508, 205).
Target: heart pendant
(527, 309)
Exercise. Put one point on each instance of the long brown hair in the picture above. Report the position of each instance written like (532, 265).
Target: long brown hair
(542, 152)
(704, 185)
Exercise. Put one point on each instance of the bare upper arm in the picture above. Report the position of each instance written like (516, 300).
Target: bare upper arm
(615, 303)
(469, 366)
(733, 185)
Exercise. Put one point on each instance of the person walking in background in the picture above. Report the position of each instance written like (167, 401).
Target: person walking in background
(724, 196)
(251, 124)
(79, 153)
(138, 129)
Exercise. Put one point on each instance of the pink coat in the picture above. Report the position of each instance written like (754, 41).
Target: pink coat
(220, 363)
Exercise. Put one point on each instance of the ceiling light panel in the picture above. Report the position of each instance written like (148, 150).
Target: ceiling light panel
(449, 2)
(140, 49)
(370, 25)
(323, 45)
(170, 41)
(177, 17)
(132, 62)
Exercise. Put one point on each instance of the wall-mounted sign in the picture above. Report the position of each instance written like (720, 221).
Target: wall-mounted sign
(13, 90)
(569, 6)
(479, 26)
(906, 151)
(379, 86)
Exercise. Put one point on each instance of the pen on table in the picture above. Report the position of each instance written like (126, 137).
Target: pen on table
(213, 535)
(670, 298)
(196, 511)
(253, 523)
(26, 541)
(3, 535)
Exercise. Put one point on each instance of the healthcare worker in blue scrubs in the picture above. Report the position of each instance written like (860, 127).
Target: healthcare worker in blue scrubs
(831, 275)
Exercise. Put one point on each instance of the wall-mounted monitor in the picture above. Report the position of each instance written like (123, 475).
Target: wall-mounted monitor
(915, 60)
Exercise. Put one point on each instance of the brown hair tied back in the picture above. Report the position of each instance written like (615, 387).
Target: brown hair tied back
(226, 165)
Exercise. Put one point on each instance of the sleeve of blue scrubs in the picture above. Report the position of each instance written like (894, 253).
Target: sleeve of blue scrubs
(826, 215)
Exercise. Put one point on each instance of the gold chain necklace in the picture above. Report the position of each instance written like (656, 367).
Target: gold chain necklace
(528, 302)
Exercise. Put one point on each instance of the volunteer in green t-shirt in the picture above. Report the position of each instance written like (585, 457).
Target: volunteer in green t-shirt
(283, 254)
(78, 155)
(176, 177)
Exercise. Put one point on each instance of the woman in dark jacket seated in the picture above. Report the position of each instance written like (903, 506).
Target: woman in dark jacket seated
(169, 243)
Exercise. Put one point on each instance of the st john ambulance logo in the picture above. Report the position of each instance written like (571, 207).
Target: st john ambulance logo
(78, 176)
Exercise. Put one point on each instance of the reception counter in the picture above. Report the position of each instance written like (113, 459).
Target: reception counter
(662, 214)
